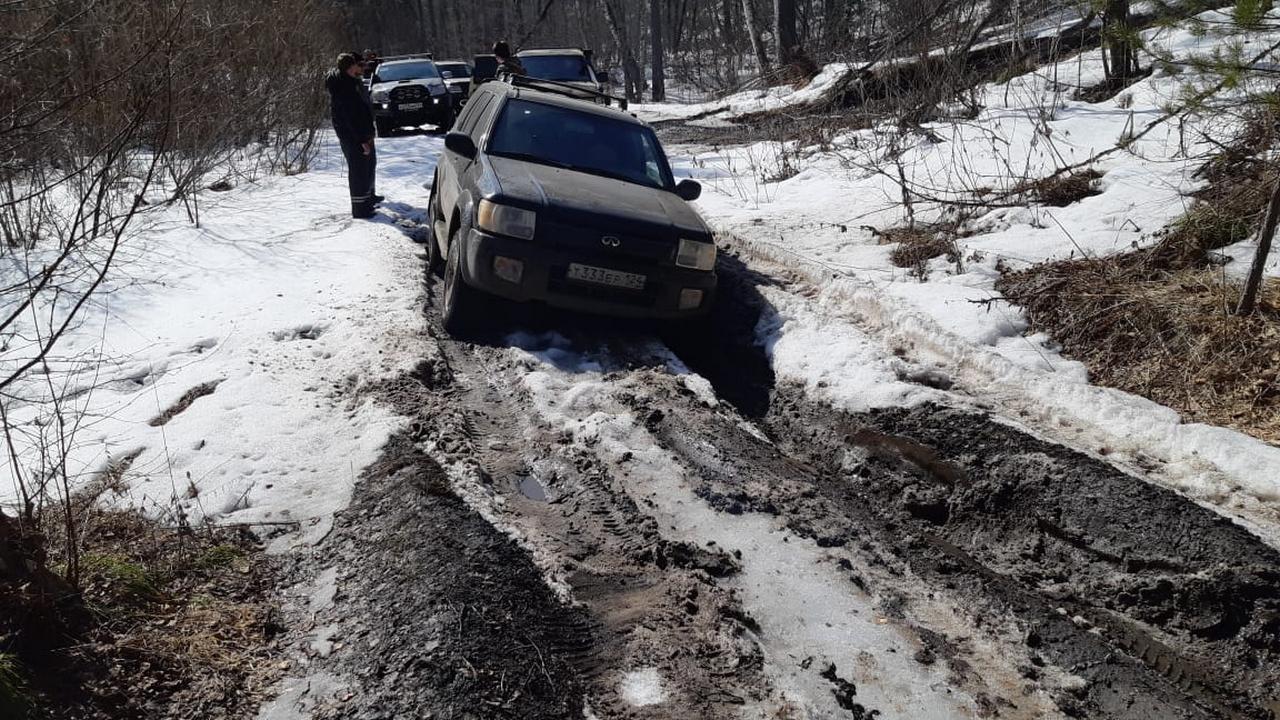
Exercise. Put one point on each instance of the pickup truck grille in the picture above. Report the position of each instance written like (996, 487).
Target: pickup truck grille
(408, 93)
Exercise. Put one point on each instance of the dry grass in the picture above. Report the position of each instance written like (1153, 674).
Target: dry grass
(1168, 337)
(917, 246)
(185, 626)
(1157, 321)
(1061, 190)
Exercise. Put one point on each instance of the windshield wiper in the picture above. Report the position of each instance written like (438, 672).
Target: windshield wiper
(530, 157)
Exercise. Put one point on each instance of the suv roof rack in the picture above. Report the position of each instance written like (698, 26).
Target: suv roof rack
(560, 88)
(586, 52)
(410, 56)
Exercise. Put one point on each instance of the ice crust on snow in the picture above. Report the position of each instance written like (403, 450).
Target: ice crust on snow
(643, 687)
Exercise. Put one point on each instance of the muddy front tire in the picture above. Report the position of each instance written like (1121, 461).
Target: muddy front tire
(384, 129)
(462, 306)
(435, 260)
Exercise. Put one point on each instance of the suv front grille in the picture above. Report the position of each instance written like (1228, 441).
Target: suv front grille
(408, 93)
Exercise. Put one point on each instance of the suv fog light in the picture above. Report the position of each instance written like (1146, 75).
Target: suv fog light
(690, 298)
(510, 269)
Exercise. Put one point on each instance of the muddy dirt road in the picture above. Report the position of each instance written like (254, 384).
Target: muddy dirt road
(614, 523)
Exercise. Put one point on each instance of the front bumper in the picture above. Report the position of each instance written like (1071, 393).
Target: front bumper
(439, 113)
(544, 280)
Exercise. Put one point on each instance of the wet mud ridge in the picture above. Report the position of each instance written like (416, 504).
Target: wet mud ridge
(612, 524)
(441, 611)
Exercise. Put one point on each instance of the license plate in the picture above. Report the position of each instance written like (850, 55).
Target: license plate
(411, 106)
(604, 276)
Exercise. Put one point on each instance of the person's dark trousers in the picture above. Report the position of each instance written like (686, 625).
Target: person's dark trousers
(360, 170)
(373, 174)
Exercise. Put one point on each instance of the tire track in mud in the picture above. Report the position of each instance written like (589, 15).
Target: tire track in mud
(1145, 603)
(649, 603)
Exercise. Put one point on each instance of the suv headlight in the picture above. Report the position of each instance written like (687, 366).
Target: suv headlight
(437, 89)
(506, 220)
(696, 254)
(379, 96)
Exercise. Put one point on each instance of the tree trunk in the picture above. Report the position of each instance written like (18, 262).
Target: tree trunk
(784, 30)
(422, 27)
(1253, 284)
(757, 42)
(656, 57)
(1117, 31)
(630, 68)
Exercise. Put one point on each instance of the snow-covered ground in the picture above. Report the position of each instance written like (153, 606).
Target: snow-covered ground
(288, 308)
(860, 317)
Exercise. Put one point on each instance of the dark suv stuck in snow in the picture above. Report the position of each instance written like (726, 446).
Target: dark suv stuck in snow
(541, 195)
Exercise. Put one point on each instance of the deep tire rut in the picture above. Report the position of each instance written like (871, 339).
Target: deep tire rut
(1036, 581)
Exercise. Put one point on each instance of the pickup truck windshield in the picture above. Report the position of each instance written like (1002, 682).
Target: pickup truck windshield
(562, 68)
(389, 72)
(582, 141)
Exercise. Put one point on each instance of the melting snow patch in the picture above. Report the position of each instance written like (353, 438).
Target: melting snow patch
(643, 687)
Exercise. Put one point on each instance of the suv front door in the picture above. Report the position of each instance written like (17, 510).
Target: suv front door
(453, 167)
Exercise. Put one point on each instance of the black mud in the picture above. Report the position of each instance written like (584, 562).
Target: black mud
(442, 615)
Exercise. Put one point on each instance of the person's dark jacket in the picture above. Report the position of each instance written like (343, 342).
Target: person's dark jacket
(510, 66)
(350, 108)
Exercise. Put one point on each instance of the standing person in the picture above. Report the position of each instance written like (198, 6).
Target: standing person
(508, 64)
(353, 120)
(371, 62)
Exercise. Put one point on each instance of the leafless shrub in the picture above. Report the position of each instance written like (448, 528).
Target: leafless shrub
(109, 109)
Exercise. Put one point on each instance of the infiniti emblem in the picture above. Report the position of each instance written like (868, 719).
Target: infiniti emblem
(610, 241)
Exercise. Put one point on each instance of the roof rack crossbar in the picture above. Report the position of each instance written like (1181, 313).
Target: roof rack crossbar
(410, 56)
(560, 88)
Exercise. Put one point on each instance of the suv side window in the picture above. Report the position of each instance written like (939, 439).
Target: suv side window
(484, 118)
(469, 112)
(477, 106)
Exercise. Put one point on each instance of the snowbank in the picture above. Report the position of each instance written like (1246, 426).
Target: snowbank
(285, 308)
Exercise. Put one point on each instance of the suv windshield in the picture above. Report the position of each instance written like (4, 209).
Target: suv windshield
(394, 72)
(458, 70)
(582, 141)
(563, 68)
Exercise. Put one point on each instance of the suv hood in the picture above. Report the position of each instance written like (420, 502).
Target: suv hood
(577, 197)
(434, 86)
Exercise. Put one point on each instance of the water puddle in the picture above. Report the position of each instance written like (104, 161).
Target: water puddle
(532, 489)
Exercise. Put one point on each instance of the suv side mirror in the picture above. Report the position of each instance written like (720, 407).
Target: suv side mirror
(686, 189)
(460, 143)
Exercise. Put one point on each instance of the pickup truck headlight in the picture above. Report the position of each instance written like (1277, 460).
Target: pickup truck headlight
(379, 96)
(506, 220)
(696, 254)
(436, 89)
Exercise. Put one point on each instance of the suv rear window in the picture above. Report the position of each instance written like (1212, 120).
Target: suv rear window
(563, 68)
(459, 70)
(405, 71)
(582, 141)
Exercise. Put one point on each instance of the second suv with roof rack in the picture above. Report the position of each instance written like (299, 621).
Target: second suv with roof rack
(542, 196)
(409, 92)
(571, 66)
